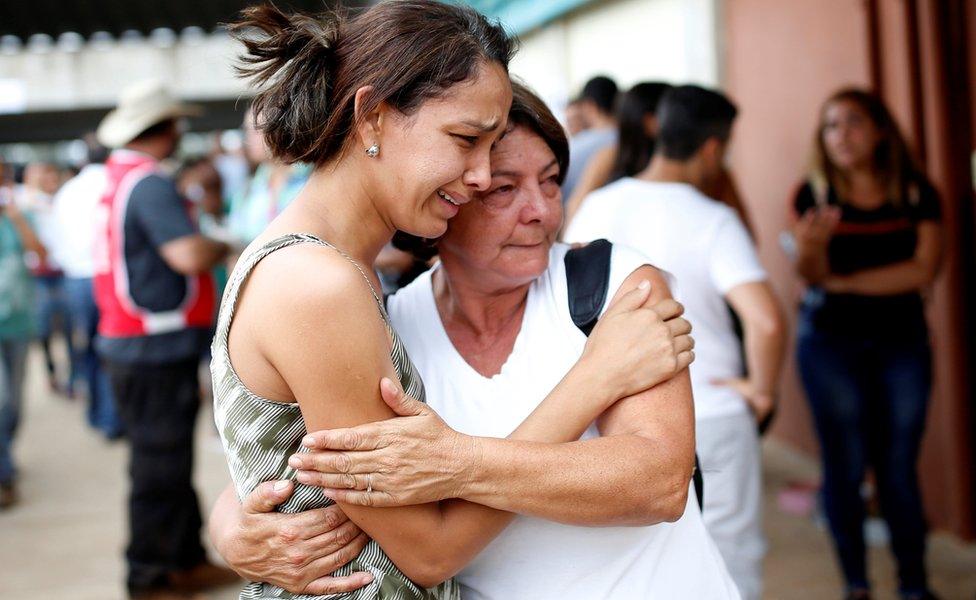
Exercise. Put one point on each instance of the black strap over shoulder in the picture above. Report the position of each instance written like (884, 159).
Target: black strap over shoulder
(588, 277)
(588, 282)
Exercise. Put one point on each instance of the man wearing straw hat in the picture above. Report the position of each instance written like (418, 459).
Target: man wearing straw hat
(156, 302)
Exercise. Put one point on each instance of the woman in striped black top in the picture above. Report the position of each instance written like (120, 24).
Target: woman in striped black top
(397, 109)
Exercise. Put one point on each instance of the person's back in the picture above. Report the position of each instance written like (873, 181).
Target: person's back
(662, 213)
(596, 102)
(704, 245)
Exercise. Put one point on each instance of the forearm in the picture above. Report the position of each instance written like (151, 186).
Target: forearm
(220, 527)
(461, 529)
(812, 264)
(899, 278)
(765, 346)
(27, 237)
(607, 481)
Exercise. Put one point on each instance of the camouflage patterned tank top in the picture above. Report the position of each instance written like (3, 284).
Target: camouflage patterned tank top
(260, 434)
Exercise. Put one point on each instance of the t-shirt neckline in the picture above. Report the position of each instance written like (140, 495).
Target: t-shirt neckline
(447, 347)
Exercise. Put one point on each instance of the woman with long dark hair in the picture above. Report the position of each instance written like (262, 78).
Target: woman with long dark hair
(869, 244)
(636, 129)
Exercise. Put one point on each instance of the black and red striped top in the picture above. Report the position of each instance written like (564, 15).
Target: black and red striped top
(866, 239)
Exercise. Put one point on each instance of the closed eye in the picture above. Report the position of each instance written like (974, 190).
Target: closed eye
(470, 140)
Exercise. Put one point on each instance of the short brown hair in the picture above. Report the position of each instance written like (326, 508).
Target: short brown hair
(528, 110)
(311, 66)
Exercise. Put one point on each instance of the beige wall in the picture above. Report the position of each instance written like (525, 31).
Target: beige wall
(781, 60)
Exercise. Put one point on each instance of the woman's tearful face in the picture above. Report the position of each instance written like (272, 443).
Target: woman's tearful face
(507, 232)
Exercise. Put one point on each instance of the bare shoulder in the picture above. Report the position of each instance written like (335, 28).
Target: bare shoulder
(306, 289)
(660, 289)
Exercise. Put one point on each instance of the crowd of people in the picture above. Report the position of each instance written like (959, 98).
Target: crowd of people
(458, 349)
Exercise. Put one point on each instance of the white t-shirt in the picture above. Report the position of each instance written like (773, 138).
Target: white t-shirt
(704, 244)
(75, 206)
(534, 558)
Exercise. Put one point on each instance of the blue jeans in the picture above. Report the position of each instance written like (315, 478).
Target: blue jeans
(869, 399)
(102, 413)
(13, 363)
(52, 309)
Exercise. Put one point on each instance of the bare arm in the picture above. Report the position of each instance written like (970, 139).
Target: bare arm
(765, 343)
(193, 254)
(636, 474)
(520, 475)
(294, 551)
(26, 233)
(812, 232)
(899, 278)
(332, 375)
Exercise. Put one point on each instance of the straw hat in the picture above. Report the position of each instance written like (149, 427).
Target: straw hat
(141, 105)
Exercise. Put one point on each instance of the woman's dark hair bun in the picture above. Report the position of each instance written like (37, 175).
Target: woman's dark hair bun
(293, 59)
(309, 68)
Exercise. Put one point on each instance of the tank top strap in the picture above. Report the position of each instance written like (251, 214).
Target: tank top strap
(250, 261)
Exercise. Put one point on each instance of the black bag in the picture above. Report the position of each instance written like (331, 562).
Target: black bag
(588, 280)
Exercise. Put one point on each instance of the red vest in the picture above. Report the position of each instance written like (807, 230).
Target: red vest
(119, 314)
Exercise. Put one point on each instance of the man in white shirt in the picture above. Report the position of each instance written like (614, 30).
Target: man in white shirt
(704, 244)
(75, 207)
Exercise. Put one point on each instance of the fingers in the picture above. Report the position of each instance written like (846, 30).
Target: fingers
(326, 461)
(328, 585)
(267, 496)
(633, 299)
(402, 404)
(341, 481)
(679, 326)
(322, 567)
(334, 541)
(323, 521)
(363, 437)
(685, 359)
(669, 309)
(375, 498)
(683, 343)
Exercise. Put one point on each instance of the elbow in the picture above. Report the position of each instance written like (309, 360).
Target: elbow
(188, 266)
(768, 324)
(429, 572)
(665, 503)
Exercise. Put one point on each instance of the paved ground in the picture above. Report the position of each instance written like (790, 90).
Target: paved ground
(65, 539)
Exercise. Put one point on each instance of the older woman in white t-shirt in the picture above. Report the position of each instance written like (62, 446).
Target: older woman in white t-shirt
(608, 516)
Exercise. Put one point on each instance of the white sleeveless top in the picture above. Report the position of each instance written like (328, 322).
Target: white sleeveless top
(533, 558)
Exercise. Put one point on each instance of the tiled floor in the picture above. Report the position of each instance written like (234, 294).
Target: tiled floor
(65, 540)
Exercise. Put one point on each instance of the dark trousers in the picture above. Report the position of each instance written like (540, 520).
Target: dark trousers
(869, 400)
(102, 414)
(158, 405)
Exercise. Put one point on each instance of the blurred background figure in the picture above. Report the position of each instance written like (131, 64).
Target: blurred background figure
(575, 121)
(156, 300)
(663, 213)
(595, 105)
(75, 211)
(17, 238)
(636, 115)
(272, 186)
(869, 243)
(36, 199)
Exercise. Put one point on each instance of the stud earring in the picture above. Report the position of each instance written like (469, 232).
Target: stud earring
(373, 151)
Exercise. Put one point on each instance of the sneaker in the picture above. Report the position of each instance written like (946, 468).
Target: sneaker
(8, 495)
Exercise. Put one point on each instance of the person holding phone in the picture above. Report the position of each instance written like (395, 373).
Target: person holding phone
(868, 243)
